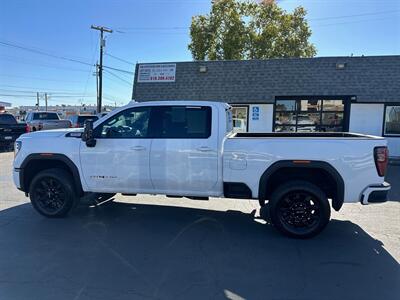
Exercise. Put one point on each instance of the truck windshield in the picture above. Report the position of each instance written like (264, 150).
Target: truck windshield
(6, 119)
(45, 116)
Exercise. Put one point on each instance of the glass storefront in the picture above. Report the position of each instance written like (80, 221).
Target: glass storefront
(309, 115)
(240, 118)
(392, 120)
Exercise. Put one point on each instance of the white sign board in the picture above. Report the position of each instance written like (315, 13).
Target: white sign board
(157, 73)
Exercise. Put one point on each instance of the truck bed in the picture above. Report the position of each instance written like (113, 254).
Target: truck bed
(302, 135)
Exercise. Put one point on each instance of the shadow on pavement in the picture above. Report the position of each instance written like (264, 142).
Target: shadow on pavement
(132, 251)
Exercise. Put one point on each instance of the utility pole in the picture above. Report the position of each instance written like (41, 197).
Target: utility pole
(102, 29)
(45, 99)
(37, 100)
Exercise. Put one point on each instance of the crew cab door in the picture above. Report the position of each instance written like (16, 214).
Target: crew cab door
(184, 150)
(119, 162)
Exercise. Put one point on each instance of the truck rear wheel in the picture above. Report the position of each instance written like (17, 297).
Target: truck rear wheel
(299, 209)
(52, 193)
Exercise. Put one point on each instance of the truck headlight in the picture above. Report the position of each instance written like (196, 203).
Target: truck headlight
(17, 147)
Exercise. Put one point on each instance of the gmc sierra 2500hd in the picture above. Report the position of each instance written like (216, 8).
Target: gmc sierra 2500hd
(188, 148)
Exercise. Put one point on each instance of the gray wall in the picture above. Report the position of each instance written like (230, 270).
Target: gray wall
(371, 79)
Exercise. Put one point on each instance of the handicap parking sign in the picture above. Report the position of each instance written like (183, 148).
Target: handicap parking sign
(256, 113)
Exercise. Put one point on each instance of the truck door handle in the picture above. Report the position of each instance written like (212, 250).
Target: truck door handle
(138, 148)
(204, 149)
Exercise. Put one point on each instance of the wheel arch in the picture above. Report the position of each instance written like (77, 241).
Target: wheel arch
(320, 173)
(37, 162)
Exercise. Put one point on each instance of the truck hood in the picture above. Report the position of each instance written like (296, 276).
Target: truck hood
(50, 133)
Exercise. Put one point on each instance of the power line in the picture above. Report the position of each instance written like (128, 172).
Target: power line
(35, 88)
(43, 53)
(126, 85)
(120, 59)
(175, 28)
(38, 78)
(44, 65)
(120, 78)
(119, 70)
(356, 15)
(91, 69)
(58, 56)
(352, 22)
(9, 95)
(56, 94)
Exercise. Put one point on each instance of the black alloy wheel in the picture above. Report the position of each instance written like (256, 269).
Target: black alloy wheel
(299, 209)
(52, 193)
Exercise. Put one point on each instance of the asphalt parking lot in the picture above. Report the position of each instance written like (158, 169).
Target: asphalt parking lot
(150, 247)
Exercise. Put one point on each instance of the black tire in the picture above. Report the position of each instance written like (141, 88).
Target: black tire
(52, 193)
(299, 209)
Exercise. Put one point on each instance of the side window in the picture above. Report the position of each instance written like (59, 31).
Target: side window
(182, 122)
(131, 123)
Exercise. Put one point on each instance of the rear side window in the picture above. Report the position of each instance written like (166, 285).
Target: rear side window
(181, 122)
(7, 119)
(45, 116)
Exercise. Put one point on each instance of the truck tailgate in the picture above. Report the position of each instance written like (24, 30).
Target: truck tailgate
(9, 133)
(55, 124)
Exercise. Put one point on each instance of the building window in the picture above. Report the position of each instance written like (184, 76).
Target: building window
(309, 115)
(239, 118)
(392, 120)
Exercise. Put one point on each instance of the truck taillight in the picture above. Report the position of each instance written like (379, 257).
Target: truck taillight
(381, 156)
(27, 129)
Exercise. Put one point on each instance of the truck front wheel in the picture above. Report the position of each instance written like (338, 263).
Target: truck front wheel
(299, 209)
(52, 193)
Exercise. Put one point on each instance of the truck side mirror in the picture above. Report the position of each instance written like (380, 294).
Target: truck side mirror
(88, 135)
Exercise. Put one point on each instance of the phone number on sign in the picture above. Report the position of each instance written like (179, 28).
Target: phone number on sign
(158, 78)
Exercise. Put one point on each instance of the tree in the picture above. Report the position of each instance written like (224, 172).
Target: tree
(237, 29)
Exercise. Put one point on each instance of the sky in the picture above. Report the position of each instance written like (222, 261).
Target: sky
(63, 48)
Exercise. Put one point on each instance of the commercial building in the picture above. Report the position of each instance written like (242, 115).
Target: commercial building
(356, 94)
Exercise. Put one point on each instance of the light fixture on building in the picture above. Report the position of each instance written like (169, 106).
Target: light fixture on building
(340, 66)
(203, 69)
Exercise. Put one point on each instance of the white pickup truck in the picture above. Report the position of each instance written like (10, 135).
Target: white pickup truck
(188, 148)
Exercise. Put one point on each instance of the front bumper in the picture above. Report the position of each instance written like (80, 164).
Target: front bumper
(375, 193)
(17, 178)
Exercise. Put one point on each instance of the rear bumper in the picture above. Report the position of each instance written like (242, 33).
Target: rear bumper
(375, 194)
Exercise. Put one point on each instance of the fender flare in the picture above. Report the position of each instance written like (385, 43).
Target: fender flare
(337, 202)
(54, 157)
